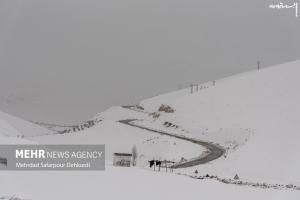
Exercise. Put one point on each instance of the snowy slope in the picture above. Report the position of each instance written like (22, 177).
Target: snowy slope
(13, 140)
(126, 183)
(121, 138)
(253, 115)
(15, 127)
(263, 103)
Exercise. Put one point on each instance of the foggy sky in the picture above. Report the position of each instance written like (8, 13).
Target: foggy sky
(66, 60)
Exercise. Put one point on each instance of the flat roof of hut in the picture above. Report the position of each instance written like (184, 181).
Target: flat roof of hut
(122, 154)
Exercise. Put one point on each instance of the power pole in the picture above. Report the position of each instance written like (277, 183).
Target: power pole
(258, 65)
(192, 88)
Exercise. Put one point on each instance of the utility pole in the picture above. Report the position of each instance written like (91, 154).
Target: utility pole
(192, 88)
(258, 65)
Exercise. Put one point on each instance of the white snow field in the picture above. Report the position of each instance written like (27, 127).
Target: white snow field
(254, 116)
(15, 127)
(126, 183)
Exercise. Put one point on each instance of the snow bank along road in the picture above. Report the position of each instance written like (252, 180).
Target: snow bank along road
(215, 151)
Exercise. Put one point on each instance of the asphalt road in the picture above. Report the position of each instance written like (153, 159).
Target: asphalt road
(215, 151)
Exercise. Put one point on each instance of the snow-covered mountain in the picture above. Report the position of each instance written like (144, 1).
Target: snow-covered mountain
(259, 109)
(253, 117)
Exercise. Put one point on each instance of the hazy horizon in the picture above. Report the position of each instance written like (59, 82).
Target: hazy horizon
(64, 61)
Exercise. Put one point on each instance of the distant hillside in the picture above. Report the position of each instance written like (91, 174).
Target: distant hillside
(16, 127)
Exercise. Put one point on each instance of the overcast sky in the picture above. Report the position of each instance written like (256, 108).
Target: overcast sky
(66, 60)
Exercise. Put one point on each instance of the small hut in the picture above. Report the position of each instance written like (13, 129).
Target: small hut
(122, 159)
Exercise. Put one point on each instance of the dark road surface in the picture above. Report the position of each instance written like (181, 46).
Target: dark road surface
(215, 151)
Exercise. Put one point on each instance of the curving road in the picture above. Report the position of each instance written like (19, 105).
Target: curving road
(215, 151)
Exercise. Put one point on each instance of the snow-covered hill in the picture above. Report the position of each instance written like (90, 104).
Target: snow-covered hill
(118, 137)
(259, 109)
(16, 127)
(254, 116)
